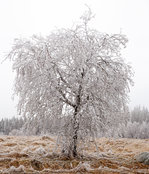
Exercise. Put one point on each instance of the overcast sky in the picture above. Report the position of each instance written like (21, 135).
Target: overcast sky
(23, 18)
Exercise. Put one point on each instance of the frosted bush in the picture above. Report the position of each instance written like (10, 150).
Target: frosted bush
(133, 130)
(16, 132)
(40, 151)
(144, 130)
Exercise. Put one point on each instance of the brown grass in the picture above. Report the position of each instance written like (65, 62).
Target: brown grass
(109, 156)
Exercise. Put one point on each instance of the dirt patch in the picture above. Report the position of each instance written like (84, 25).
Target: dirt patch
(1, 139)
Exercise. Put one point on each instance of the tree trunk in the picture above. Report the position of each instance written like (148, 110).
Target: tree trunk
(74, 144)
(76, 123)
(75, 134)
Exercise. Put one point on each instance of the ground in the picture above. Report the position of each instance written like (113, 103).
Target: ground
(23, 154)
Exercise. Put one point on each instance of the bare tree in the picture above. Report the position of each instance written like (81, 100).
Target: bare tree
(77, 74)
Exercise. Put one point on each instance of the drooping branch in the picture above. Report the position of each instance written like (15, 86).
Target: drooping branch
(65, 99)
(64, 81)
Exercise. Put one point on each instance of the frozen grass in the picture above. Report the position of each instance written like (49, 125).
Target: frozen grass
(35, 155)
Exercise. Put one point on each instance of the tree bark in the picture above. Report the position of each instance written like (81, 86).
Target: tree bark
(75, 135)
(76, 123)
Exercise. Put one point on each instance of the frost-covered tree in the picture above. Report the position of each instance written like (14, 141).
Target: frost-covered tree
(8, 124)
(77, 74)
(139, 114)
(136, 126)
(133, 130)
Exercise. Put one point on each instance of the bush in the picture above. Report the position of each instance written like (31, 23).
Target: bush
(133, 130)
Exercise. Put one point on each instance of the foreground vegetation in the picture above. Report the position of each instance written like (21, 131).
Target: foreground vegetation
(38, 154)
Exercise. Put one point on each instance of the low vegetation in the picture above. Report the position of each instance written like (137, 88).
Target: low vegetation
(37, 154)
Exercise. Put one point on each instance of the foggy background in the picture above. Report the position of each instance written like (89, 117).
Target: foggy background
(23, 18)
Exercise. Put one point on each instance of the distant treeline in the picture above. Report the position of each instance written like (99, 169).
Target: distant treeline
(136, 125)
(9, 124)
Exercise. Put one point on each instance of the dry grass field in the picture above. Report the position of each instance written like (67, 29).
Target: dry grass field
(22, 154)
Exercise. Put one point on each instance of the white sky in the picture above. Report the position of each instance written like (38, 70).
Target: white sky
(23, 18)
